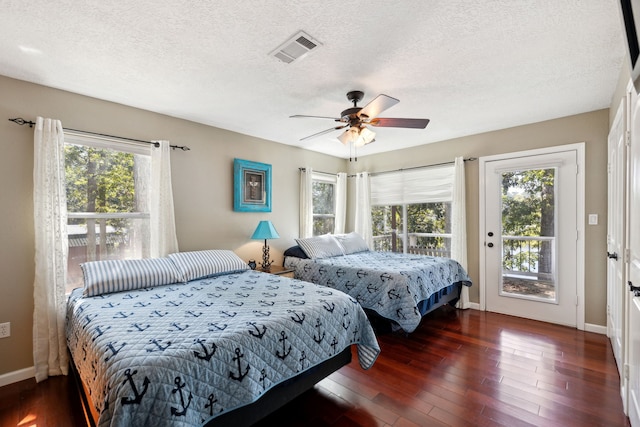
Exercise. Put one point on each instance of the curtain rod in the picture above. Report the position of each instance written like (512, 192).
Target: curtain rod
(20, 121)
(470, 159)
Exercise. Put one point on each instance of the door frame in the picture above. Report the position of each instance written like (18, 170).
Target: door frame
(580, 220)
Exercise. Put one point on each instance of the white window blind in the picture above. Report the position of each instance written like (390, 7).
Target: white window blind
(428, 185)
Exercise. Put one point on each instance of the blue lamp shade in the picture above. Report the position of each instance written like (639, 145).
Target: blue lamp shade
(265, 230)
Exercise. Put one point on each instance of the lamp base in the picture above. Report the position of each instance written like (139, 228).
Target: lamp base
(266, 264)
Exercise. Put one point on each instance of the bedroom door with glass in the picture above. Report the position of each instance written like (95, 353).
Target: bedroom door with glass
(530, 242)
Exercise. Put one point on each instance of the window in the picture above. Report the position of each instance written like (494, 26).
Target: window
(411, 211)
(107, 186)
(324, 203)
(421, 228)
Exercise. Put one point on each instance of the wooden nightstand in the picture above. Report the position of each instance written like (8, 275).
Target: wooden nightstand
(279, 270)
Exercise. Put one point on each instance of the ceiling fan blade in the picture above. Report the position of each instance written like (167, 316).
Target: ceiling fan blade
(300, 116)
(399, 123)
(378, 105)
(322, 133)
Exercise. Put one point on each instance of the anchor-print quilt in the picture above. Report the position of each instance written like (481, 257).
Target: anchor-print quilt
(394, 285)
(181, 354)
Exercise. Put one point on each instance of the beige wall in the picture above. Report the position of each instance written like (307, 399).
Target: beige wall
(591, 128)
(202, 184)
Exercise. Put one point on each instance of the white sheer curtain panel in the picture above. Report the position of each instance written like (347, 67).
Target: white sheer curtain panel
(162, 217)
(362, 224)
(341, 202)
(459, 226)
(306, 203)
(51, 244)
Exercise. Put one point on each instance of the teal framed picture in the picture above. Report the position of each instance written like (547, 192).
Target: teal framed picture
(251, 186)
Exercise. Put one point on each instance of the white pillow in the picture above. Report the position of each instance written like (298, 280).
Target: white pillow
(199, 264)
(103, 277)
(320, 246)
(351, 243)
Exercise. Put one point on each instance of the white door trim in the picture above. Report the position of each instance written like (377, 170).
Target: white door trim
(580, 219)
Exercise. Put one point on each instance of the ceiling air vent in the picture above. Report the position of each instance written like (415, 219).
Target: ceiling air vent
(295, 48)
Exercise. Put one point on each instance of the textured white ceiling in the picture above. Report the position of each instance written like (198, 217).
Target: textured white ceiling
(470, 66)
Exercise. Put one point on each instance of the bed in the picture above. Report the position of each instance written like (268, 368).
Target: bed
(400, 288)
(198, 339)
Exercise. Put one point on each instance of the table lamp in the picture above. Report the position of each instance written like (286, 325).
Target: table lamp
(265, 230)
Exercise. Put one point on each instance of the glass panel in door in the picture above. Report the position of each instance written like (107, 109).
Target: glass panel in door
(528, 234)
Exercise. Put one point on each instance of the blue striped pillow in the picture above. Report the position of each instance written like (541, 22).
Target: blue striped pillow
(320, 246)
(103, 277)
(199, 264)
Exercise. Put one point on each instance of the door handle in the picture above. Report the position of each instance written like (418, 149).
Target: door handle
(613, 256)
(490, 245)
(634, 289)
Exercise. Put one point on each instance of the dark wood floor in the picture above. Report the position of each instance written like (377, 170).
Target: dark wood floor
(460, 368)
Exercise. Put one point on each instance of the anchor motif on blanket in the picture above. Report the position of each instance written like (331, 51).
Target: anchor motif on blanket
(297, 302)
(324, 292)
(141, 304)
(157, 296)
(228, 314)
(372, 288)
(345, 326)
(89, 318)
(258, 333)
(159, 346)
(114, 351)
(285, 351)
(178, 327)
(138, 327)
(122, 315)
(361, 274)
(173, 303)
(204, 304)
(340, 272)
(237, 304)
(303, 358)
(349, 285)
(238, 357)
(266, 303)
(110, 305)
(263, 377)
(185, 295)
(334, 344)
(156, 313)
(298, 318)
(137, 394)
(207, 355)
(320, 337)
(99, 331)
(209, 405)
(328, 306)
(355, 333)
(322, 270)
(261, 313)
(191, 313)
(400, 314)
(385, 276)
(270, 294)
(393, 294)
(179, 386)
(130, 296)
(216, 326)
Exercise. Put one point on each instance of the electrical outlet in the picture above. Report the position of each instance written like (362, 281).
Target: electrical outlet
(5, 329)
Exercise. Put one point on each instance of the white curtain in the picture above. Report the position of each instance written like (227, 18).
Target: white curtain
(341, 202)
(162, 217)
(362, 224)
(459, 226)
(51, 244)
(306, 203)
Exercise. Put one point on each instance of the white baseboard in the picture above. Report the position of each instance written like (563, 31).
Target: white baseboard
(19, 375)
(598, 329)
(474, 306)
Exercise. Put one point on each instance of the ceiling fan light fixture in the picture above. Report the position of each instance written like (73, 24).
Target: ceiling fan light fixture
(366, 137)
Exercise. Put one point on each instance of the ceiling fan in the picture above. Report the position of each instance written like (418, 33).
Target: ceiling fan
(356, 119)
